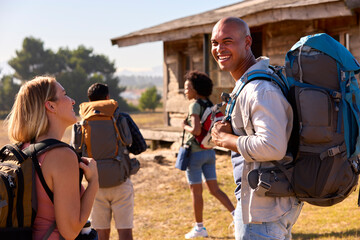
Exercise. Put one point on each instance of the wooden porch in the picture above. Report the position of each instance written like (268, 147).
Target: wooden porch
(155, 135)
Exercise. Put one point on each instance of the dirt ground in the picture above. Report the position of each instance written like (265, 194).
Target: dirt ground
(157, 162)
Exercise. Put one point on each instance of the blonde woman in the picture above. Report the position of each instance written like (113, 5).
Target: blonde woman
(42, 110)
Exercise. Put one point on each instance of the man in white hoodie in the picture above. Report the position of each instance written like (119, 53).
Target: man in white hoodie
(258, 132)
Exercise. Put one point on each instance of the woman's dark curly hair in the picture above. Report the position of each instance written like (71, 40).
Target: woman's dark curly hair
(201, 82)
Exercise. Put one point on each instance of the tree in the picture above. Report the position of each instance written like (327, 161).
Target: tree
(149, 99)
(33, 60)
(75, 69)
(8, 90)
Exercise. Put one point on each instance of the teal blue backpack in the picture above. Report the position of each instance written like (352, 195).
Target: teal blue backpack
(321, 87)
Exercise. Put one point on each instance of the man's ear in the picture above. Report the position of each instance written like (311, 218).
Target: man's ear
(108, 97)
(248, 42)
(49, 106)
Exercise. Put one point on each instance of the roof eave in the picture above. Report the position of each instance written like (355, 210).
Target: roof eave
(335, 9)
(353, 4)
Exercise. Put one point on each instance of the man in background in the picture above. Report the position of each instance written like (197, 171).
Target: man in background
(117, 200)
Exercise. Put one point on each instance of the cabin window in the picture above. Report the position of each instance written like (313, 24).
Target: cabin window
(183, 69)
(206, 53)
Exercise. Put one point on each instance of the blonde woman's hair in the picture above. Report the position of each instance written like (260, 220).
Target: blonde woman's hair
(27, 119)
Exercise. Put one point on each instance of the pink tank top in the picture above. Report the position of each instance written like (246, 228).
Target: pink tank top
(45, 215)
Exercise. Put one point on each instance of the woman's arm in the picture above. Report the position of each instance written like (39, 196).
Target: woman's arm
(61, 167)
(195, 128)
(88, 165)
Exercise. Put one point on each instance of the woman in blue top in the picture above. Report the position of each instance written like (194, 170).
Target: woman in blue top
(198, 86)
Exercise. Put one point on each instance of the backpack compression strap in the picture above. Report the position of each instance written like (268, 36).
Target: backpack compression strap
(41, 147)
(85, 131)
(118, 135)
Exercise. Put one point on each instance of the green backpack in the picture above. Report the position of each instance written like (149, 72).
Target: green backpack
(18, 202)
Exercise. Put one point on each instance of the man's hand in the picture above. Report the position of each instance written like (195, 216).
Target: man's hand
(218, 132)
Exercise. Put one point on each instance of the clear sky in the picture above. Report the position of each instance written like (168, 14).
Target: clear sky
(92, 23)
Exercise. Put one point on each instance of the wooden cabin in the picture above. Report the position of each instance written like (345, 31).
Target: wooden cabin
(275, 26)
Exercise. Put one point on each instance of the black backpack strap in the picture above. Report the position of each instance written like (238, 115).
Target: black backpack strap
(49, 231)
(41, 147)
(204, 105)
(76, 140)
(14, 149)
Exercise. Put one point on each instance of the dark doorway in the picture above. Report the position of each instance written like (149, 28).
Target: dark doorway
(256, 44)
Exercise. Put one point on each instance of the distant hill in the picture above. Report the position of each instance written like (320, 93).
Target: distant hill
(131, 80)
(140, 82)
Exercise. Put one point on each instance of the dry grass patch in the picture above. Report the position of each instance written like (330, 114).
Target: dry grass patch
(148, 119)
(337, 222)
(163, 207)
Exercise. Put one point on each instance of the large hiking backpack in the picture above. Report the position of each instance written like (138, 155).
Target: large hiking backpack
(324, 94)
(99, 136)
(18, 202)
(321, 73)
(209, 116)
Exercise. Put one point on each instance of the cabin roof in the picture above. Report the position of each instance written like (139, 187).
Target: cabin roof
(254, 12)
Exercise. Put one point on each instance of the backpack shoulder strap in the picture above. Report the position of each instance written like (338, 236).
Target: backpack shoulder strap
(204, 106)
(276, 77)
(77, 140)
(36, 149)
(44, 146)
(14, 149)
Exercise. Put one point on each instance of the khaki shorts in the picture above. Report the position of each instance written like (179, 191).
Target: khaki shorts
(118, 200)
